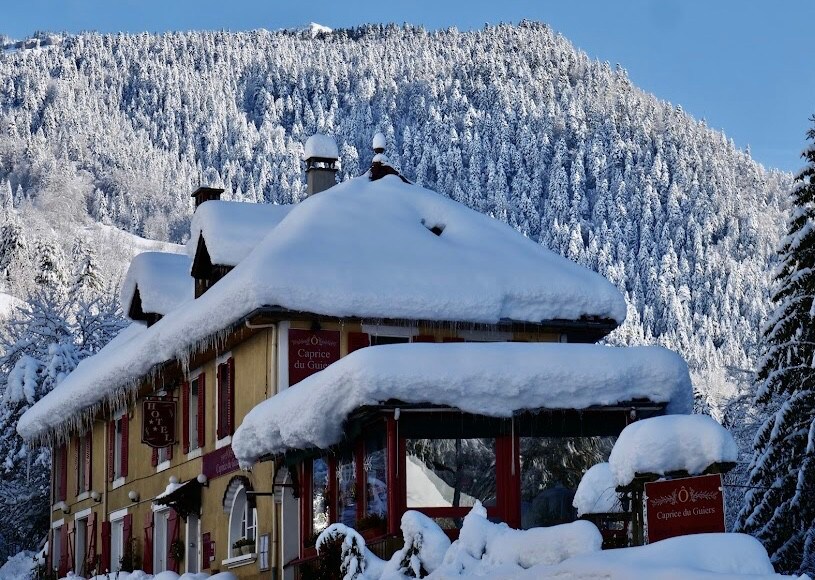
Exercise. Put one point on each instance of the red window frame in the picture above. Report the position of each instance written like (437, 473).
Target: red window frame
(225, 398)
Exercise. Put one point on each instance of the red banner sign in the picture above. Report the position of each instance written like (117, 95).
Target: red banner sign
(311, 351)
(158, 423)
(219, 462)
(678, 507)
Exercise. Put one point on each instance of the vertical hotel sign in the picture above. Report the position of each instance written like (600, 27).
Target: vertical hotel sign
(158, 423)
(310, 351)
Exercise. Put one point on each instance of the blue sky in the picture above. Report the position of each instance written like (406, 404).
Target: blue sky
(744, 66)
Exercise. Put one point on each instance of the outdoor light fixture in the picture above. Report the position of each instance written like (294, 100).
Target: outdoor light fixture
(96, 496)
(133, 495)
(63, 507)
(202, 479)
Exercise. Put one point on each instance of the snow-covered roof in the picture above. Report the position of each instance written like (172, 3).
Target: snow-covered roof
(493, 379)
(366, 249)
(661, 445)
(163, 280)
(379, 141)
(232, 229)
(320, 146)
(596, 493)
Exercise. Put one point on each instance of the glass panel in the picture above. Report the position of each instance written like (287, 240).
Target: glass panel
(347, 490)
(450, 472)
(376, 477)
(319, 495)
(551, 468)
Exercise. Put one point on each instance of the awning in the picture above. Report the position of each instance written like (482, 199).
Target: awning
(185, 498)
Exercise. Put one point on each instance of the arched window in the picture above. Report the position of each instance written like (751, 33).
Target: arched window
(242, 513)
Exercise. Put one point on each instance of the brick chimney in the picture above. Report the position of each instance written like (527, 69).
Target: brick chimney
(321, 156)
(204, 193)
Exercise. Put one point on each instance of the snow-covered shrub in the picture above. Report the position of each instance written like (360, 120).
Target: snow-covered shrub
(353, 549)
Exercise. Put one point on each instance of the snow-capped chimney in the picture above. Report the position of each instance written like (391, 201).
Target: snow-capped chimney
(379, 143)
(204, 193)
(379, 165)
(321, 156)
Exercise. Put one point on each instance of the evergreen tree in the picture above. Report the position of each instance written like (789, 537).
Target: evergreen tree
(780, 510)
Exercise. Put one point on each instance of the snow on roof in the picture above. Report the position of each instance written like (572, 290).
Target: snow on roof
(363, 249)
(596, 492)
(320, 146)
(232, 229)
(163, 281)
(661, 445)
(493, 379)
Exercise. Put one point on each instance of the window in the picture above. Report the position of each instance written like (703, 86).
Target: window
(117, 447)
(242, 518)
(80, 541)
(83, 462)
(226, 397)
(450, 472)
(376, 477)
(551, 469)
(193, 412)
(117, 541)
(320, 498)
(347, 490)
(57, 553)
(161, 540)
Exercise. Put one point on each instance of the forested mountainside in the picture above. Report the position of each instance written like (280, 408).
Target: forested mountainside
(510, 120)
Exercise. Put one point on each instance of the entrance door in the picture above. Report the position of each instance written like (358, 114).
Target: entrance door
(193, 556)
(117, 535)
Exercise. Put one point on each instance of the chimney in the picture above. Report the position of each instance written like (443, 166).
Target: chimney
(203, 194)
(321, 156)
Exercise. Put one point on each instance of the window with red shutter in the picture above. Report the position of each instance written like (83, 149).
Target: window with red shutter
(172, 536)
(127, 533)
(90, 550)
(154, 456)
(62, 473)
(64, 556)
(79, 465)
(220, 402)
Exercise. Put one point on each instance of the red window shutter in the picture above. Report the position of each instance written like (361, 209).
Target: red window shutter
(230, 396)
(147, 551)
(154, 457)
(105, 562)
(206, 550)
(127, 531)
(63, 473)
(71, 563)
(424, 338)
(185, 417)
(124, 445)
(172, 533)
(111, 445)
(90, 552)
(77, 453)
(202, 389)
(358, 340)
(88, 459)
(453, 339)
(63, 558)
(220, 403)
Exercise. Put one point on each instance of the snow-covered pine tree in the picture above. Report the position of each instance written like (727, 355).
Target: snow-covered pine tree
(38, 351)
(779, 510)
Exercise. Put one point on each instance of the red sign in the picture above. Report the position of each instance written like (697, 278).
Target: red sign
(311, 351)
(678, 507)
(219, 462)
(158, 423)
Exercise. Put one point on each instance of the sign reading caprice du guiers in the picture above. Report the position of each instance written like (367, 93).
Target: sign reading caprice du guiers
(158, 423)
(690, 505)
(311, 351)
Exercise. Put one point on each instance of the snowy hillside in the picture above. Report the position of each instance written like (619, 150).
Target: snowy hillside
(510, 120)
